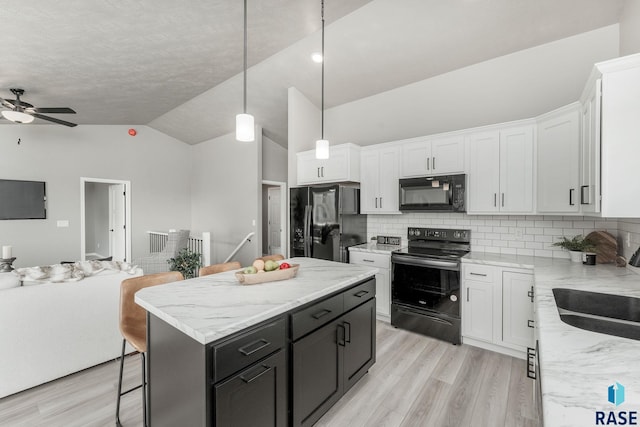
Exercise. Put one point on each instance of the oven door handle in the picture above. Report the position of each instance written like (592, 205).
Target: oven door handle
(424, 262)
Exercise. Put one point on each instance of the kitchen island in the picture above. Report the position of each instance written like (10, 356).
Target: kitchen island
(274, 354)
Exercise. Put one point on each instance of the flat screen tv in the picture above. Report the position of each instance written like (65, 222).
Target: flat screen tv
(22, 199)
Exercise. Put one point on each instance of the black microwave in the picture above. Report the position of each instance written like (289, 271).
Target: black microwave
(433, 194)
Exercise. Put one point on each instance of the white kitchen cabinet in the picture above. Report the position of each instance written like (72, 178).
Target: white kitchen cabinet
(383, 278)
(590, 149)
(432, 156)
(500, 175)
(379, 179)
(497, 309)
(619, 130)
(342, 165)
(517, 310)
(559, 160)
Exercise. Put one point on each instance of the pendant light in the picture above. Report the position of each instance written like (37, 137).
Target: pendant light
(322, 145)
(245, 129)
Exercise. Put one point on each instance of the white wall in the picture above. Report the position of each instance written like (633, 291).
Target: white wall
(304, 128)
(274, 161)
(630, 28)
(226, 188)
(516, 86)
(157, 165)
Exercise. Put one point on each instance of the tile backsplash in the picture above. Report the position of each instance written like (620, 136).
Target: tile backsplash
(509, 234)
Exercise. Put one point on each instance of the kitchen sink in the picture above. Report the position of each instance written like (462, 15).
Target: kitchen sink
(604, 313)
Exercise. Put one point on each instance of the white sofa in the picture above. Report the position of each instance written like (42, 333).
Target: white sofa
(51, 330)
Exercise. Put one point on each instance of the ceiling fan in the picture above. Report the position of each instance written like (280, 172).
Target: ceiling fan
(23, 112)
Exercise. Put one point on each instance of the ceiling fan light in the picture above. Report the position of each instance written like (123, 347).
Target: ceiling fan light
(17, 116)
(245, 129)
(322, 149)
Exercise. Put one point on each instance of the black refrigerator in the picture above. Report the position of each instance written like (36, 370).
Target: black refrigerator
(325, 221)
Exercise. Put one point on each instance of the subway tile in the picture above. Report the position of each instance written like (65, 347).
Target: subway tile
(516, 244)
(525, 252)
(534, 245)
(584, 224)
(553, 232)
(534, 231)
(507, 223)
(562, 224)
(544, 224)
(524, 223)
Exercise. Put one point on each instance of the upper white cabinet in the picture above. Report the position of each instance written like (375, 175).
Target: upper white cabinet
(619, 129)
(590, 149)
(432, 156)
(343, 164)
(379, 179)
(559, 160)
(500, 175)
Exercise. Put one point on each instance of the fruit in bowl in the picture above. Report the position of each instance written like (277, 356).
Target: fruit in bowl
(271, 265)
(285, 265)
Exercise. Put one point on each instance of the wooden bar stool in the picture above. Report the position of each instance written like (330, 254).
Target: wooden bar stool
(133, 326)
(219, 268)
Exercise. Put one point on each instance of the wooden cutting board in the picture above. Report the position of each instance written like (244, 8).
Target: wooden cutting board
(606, 246)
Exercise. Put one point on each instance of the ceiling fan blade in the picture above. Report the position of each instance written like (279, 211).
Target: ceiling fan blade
(54, 120)
(60, 110)
(7, 104)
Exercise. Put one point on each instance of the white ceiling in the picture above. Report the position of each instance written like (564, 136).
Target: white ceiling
(177, 65)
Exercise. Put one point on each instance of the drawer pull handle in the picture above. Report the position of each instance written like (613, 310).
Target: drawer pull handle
(530, 294)
(367, 260)
(264, 369)
(477, 274)
(530, 323)
(320, 314)
(253, 347)
(360, 294)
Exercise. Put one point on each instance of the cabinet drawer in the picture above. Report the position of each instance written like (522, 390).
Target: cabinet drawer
(361, 293)
(317, 315)
(374, 260)
(479, 273)
(248, 348)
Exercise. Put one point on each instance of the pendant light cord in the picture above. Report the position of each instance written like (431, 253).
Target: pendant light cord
(244, 97)
(323, 59)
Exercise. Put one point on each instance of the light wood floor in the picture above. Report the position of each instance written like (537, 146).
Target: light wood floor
(416, 381)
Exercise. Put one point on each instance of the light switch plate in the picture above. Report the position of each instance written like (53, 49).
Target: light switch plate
(62, 223)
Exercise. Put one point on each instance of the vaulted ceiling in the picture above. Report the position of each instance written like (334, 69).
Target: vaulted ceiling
(177, 65)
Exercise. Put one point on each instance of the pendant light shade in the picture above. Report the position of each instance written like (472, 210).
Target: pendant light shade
(322, 145)
(17, 116)
(245, 129)
(322, 149)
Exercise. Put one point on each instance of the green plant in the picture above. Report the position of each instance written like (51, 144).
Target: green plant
(186, 262)
(576, 243)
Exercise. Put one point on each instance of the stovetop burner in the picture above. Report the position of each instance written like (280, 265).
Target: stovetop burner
(432, 253)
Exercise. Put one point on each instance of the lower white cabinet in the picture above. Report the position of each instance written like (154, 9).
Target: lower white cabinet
(383, 279)
(497, 308)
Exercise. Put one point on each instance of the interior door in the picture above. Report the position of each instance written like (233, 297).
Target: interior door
(274, 227)
(117, 222)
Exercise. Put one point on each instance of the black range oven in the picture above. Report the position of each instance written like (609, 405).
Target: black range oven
(425, 287)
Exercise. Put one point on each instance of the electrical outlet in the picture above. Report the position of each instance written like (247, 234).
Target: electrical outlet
(519, 233)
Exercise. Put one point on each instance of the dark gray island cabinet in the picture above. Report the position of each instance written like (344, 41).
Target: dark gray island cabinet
(285, 366)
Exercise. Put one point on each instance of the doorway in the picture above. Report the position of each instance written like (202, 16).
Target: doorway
(274, 218)
(104, 217)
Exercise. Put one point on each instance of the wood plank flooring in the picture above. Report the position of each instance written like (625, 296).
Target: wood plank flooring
(416, 381)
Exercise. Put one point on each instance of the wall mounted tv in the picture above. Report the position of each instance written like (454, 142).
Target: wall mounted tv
(22, 199)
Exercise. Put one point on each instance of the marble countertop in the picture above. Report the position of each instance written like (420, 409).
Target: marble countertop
(212, 307)
(373, 247)
(577, 366)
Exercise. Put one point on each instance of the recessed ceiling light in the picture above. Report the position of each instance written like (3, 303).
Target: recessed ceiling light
(316, 57)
